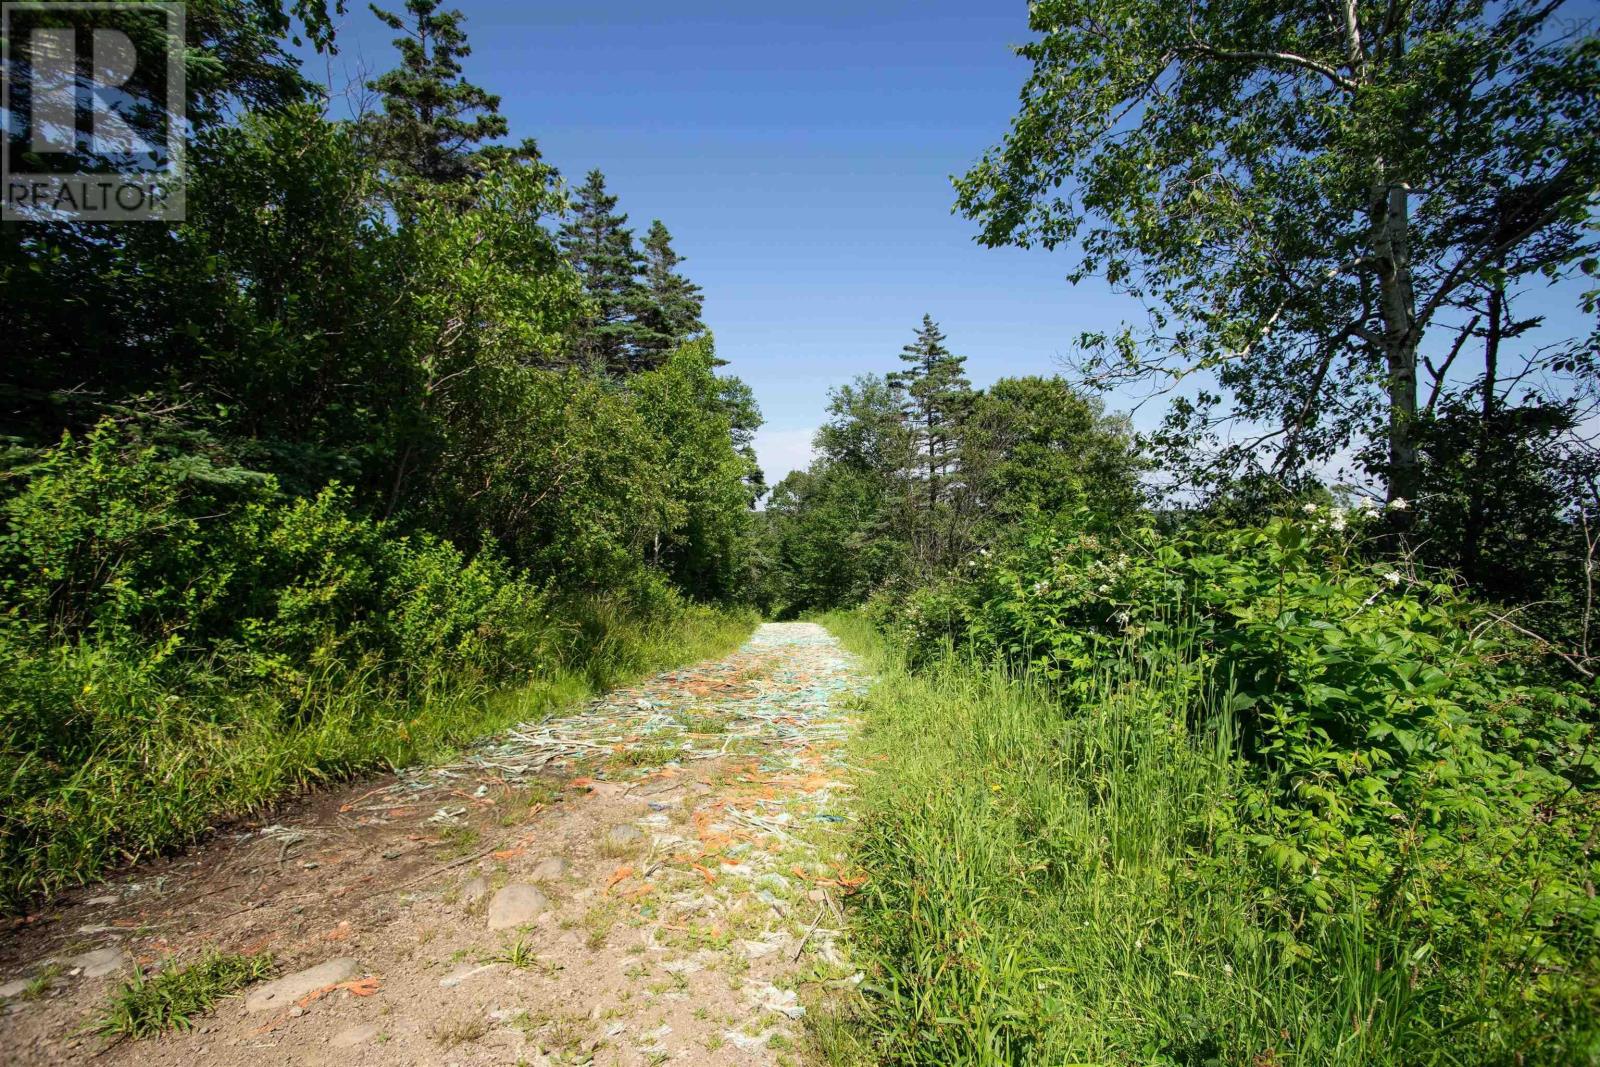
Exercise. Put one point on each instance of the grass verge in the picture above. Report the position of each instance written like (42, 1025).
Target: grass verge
(170, 761)
(1068, 888)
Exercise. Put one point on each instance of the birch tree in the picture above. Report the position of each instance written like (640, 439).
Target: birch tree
(1303, 192)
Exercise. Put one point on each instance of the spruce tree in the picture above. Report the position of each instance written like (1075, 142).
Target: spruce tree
(935, 396)
(433, 119)
(600, 248)
(672, 312)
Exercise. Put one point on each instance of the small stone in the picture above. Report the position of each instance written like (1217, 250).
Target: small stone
(101, 902)
(474, 889)
(624, 836)
(296, 1012)
(13, 988)
(461, 974)
(354, 1035)
(551, 869)
(516, 904)
(101, 962)
(292, 987)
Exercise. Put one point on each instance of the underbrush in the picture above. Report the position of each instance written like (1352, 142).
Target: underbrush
(1244, 802)
(183, 644)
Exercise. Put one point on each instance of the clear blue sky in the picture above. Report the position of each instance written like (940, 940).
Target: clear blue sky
(800, 155)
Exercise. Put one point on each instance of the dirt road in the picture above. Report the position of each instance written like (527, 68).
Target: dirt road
(655, 878)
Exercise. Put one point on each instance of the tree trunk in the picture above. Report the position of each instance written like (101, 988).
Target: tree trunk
(1478, 503)
(1397, 296)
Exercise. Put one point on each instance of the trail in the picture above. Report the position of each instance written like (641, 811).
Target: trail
(655, 878)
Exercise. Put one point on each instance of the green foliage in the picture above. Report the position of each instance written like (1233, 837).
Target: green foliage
(918, 471)
(1305, 201)
(1036, 446)
(600, 247)
(1407, 788)
(171, 998)
(433, 119)
(672, 314)
(182, 642)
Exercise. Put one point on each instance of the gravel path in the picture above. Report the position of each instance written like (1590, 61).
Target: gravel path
(656, 878)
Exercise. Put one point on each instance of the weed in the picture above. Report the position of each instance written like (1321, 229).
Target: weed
(703, 722)
(172, 996)
(460, 1030)
(459, 841)
(518, 953)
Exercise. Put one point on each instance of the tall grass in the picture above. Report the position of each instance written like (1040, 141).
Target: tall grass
(171, 756)
(1060, 888)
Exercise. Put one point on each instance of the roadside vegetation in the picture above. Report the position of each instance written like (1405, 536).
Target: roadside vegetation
(394, 440)
(1254, 802)
(1265, 736)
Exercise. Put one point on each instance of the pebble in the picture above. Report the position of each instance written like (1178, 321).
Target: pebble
(551, 869)
(14, 987)
(474, 889)
(516, 904)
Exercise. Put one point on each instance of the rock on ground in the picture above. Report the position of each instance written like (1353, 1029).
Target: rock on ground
(101, 962)
(552, 869)
(286, 990)
(516, 904)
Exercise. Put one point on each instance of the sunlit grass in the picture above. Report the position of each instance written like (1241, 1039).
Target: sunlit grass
(172, 997)
(172, 758)
(1056, 887)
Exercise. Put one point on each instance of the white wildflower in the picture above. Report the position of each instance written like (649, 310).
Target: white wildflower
(1398, 504)
(1105, 589)
(1393, 577)
(1310, 509)
(1338, 520)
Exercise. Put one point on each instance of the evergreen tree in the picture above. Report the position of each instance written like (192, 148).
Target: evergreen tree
(672, 314)
(935, 397)
(600, 248)
(433, 119)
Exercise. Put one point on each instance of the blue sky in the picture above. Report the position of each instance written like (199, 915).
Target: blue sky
(801, 158)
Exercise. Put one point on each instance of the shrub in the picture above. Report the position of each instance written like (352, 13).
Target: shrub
(1419, 780)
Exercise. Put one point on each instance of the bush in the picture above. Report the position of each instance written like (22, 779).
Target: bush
(1417, 783)
(184, 643)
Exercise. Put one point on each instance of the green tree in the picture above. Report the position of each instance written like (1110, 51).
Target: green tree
(936, 398)
(598, 244)
(671, 313)
(433, 120)
(1036, 447)
(1303, 192)
(842, 528)
(702, 472)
